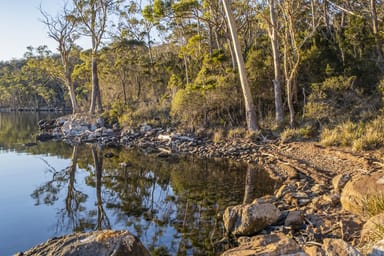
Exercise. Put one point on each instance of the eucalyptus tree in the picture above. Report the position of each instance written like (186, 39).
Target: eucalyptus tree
(249, 106)
(299, 21)
(376, 32)
(40, 73)
(93, 16)
(275, 43)
(63, 31)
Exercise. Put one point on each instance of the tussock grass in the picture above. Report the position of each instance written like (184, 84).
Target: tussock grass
(296, 134)
(358, 136)
(374, 205)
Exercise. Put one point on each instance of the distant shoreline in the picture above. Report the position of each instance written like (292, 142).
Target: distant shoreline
(35, 109)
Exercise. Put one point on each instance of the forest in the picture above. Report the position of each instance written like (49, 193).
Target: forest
(298, 68)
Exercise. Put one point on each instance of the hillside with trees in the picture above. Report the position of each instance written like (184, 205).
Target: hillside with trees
(300, 68)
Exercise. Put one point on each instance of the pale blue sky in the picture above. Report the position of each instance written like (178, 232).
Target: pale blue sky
(20, 26)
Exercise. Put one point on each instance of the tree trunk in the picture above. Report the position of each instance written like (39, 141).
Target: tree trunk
(95, 96)
(290, 102)
(102, 219)
(72, 95)
(375, 29)
(248, 101)
(71, 193)
(276, 65)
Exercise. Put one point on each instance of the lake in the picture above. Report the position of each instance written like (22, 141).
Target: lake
(173, 205)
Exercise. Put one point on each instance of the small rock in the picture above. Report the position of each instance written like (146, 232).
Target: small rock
(145, 128)
(265, 199)
(378, 249)
(339, 181)
(313, 250)
(44, 137)
(274, 244)
(284, 189)
(295, 220)
(100, 122)
(339, 247)
(350, 228)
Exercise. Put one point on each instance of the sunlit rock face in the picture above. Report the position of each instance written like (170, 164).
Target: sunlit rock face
(248, 219)
(101, 243)
(271, 245)
(360, 189)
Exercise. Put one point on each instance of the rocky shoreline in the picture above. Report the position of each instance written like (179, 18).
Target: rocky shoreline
(317, 208)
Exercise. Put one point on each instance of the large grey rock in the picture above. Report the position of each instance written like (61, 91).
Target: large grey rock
(338, 247)
(248, 219)
(356, 191)
(100, 243)
(266, 245)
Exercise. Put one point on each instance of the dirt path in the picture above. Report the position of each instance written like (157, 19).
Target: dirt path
(326, 162)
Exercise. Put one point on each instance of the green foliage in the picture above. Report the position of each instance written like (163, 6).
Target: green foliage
(336, 100)
(185, 107)
(186, 75)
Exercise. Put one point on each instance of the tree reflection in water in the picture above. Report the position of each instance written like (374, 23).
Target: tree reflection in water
(102, 218)
(173, 205)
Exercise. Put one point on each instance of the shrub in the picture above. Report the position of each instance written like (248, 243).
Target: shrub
(336, 100)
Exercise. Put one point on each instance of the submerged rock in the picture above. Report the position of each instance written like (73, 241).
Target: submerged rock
(100, 243)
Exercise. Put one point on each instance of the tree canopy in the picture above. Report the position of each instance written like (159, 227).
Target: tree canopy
(174, 62)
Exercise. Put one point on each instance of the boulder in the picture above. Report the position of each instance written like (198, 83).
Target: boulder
(359, 189)
(266, 245)
(373, 229)
(338, 247)
(248, 219)
(101, 243)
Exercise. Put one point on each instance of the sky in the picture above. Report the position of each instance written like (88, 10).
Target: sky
(20, 26)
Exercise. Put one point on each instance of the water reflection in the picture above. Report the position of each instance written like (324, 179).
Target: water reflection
(257, 183)
(173, 205)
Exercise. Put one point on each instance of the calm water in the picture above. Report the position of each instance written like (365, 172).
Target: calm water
(173, 205)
